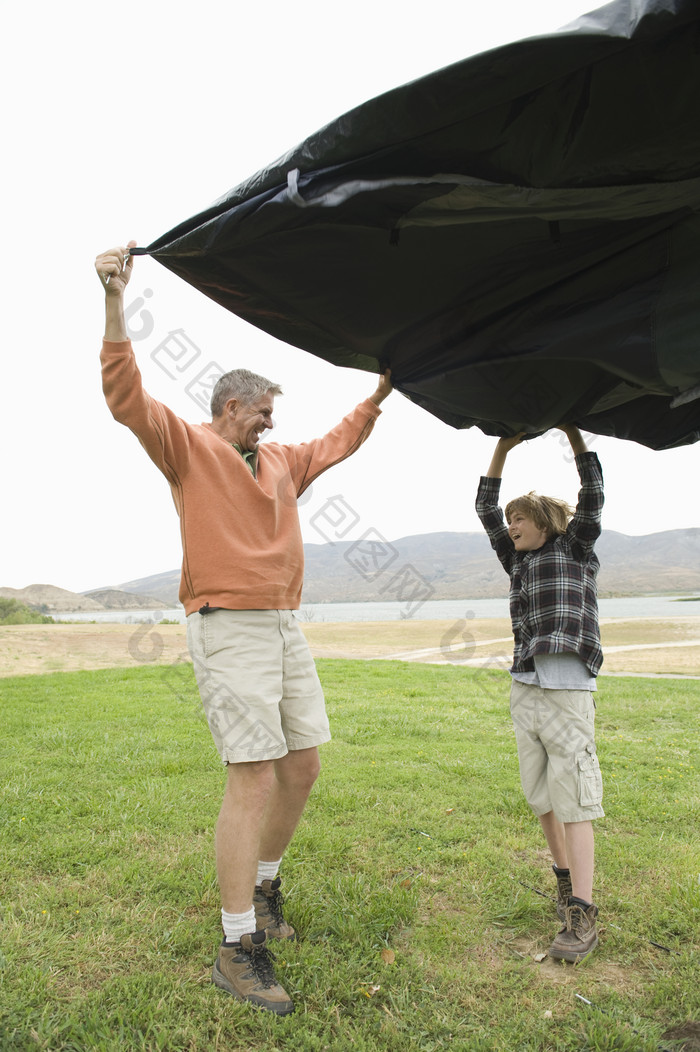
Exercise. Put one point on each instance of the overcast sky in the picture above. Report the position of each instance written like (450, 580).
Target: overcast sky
(122, 120)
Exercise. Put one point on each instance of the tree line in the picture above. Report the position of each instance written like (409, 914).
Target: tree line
(13, 612)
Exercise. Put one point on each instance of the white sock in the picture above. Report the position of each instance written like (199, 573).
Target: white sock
(267, 871)
(237, 924)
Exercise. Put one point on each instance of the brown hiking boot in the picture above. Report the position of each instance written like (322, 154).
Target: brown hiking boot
(244, 969)
(578, 937)
(564, 891)
(267, 900)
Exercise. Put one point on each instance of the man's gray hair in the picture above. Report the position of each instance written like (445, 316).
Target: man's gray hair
(247, 387)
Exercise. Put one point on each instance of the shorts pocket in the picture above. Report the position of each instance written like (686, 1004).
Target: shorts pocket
(218, 632)
(590, 780)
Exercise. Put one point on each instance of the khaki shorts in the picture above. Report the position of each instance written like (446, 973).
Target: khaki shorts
(559, 769)
(258, 683)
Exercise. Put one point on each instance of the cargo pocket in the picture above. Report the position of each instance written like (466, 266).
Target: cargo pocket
(590, 780)
(217, 633)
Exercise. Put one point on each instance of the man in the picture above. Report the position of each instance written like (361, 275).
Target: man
(241, 579)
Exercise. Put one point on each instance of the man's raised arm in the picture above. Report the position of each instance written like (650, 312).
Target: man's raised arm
(384, 388)
(114, 270)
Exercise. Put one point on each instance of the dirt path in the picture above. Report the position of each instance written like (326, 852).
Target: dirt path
(665, 646)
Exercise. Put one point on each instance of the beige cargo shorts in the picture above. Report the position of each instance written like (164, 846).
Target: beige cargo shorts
(555, 735)
(259, 687)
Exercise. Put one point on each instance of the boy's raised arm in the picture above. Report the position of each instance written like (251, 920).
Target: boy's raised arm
(575, 438)
(498, 460)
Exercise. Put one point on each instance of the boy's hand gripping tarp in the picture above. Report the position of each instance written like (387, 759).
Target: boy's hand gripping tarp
(516, 235)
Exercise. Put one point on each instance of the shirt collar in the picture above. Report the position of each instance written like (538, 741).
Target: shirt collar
(250, 457)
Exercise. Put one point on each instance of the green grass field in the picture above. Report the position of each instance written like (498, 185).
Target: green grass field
(413, 879)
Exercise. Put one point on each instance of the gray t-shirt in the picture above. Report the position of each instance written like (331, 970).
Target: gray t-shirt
(558, 672)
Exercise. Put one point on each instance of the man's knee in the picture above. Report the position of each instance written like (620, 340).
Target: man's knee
(299, 769)
(250, 781)
(312, 768)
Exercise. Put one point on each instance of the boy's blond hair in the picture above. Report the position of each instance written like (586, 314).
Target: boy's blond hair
(547, 513)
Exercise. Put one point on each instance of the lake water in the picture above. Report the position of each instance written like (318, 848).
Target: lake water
(434, 610)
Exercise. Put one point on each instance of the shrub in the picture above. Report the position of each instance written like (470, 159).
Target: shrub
(12, 612)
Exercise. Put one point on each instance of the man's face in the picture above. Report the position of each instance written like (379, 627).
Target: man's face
(525, 535)
(250, 422)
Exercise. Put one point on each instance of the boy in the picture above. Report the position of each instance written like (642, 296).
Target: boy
(547, 550)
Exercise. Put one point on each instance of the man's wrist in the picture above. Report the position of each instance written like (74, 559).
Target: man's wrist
(115, 323)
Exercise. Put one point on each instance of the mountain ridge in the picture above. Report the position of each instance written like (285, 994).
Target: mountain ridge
(446, 565)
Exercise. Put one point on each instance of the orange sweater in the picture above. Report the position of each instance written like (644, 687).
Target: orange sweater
(241, 539)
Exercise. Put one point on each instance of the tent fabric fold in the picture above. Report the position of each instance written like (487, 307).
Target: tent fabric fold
(516, 235)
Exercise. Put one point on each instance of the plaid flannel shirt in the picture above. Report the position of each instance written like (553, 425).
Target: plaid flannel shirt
(553, 593)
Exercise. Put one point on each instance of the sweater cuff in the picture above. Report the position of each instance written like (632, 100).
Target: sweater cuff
(116, 347)
(372, 407)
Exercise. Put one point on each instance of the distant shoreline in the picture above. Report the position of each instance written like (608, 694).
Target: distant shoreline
(656, 606)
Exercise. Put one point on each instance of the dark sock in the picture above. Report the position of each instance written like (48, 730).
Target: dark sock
(564, 872)
(574, 901)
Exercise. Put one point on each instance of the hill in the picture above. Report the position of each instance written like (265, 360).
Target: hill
(453, 565)
(115, 599)
(49, 599)
(462, 565)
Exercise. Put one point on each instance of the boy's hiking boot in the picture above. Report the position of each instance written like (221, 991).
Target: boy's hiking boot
(564, 891)
(578, 937)
(267, 900)
(244, 969)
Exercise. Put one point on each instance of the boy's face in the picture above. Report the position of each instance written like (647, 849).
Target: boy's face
(525, 535)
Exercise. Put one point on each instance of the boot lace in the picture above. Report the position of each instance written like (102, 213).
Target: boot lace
(275, 902)
(578, 921)
(564, 888)
(261, 963)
